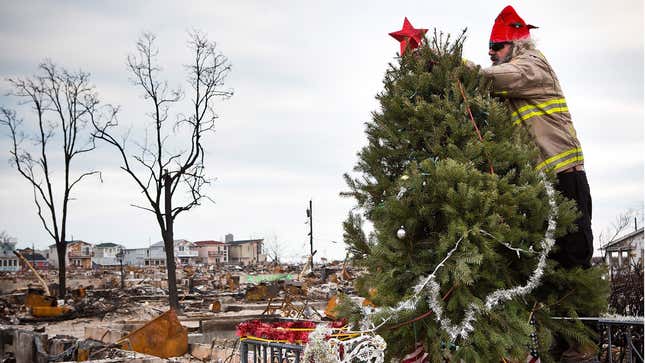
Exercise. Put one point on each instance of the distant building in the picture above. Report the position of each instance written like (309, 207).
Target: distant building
(8, 261)
(79, 255)
(625, 251)
(212, 252)
(135, 256)
(35, 258)
(156, 255)
(186, 252)
(245, 252)
(106, 254)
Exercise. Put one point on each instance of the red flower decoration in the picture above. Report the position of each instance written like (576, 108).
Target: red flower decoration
(290, 331)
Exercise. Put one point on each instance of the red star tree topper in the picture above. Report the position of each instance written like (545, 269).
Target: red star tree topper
(409, 37)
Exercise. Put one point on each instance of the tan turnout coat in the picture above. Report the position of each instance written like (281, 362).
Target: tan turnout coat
(532, 89)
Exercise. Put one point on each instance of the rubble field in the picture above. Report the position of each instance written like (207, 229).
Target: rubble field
(102, 321)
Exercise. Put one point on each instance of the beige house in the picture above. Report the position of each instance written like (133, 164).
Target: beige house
(246, 252)
(79, 255)
(212, 252)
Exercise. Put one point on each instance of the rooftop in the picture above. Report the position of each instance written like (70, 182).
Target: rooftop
(107, 245)
(26, 253)
(207, 243)
(622, 238)
(177, 242)
(72, 242)
(245, 241)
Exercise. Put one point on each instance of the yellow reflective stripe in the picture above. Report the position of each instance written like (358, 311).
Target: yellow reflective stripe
(560, 156)
(568, 161)
(503, 93)
(541, 112)
(540, 105)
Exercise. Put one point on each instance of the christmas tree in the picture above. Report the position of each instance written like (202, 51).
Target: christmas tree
(461, 221)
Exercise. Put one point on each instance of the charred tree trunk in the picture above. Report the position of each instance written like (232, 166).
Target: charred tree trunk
(169, 243)
(61, 252)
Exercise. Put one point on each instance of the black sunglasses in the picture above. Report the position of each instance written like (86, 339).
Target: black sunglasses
(496, 47)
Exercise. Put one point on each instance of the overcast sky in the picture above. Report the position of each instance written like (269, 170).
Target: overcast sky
(305, 75)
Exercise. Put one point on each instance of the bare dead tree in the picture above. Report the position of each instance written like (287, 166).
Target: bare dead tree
(6, 238)
(157, 168)
(622, 223)
(61, 102)
(274, 250)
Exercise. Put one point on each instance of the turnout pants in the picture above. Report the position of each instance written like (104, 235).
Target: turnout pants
(576, 248)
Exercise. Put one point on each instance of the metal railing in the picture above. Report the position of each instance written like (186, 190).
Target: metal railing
(626, 335)
(621, 337)
(268, 352)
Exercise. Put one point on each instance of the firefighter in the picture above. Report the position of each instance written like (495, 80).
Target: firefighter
(521, 75)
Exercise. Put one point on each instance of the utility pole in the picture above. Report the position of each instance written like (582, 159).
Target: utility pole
(308, 270)
(311, 231)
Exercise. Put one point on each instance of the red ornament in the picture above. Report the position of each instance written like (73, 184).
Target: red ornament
(509, 26)
(409, 37)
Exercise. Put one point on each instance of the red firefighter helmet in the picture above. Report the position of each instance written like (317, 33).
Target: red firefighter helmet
(509, 27)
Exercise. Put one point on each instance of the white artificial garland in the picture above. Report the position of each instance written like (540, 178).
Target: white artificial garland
(363, 348)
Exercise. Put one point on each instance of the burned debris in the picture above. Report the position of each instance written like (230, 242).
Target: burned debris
(98, 320)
